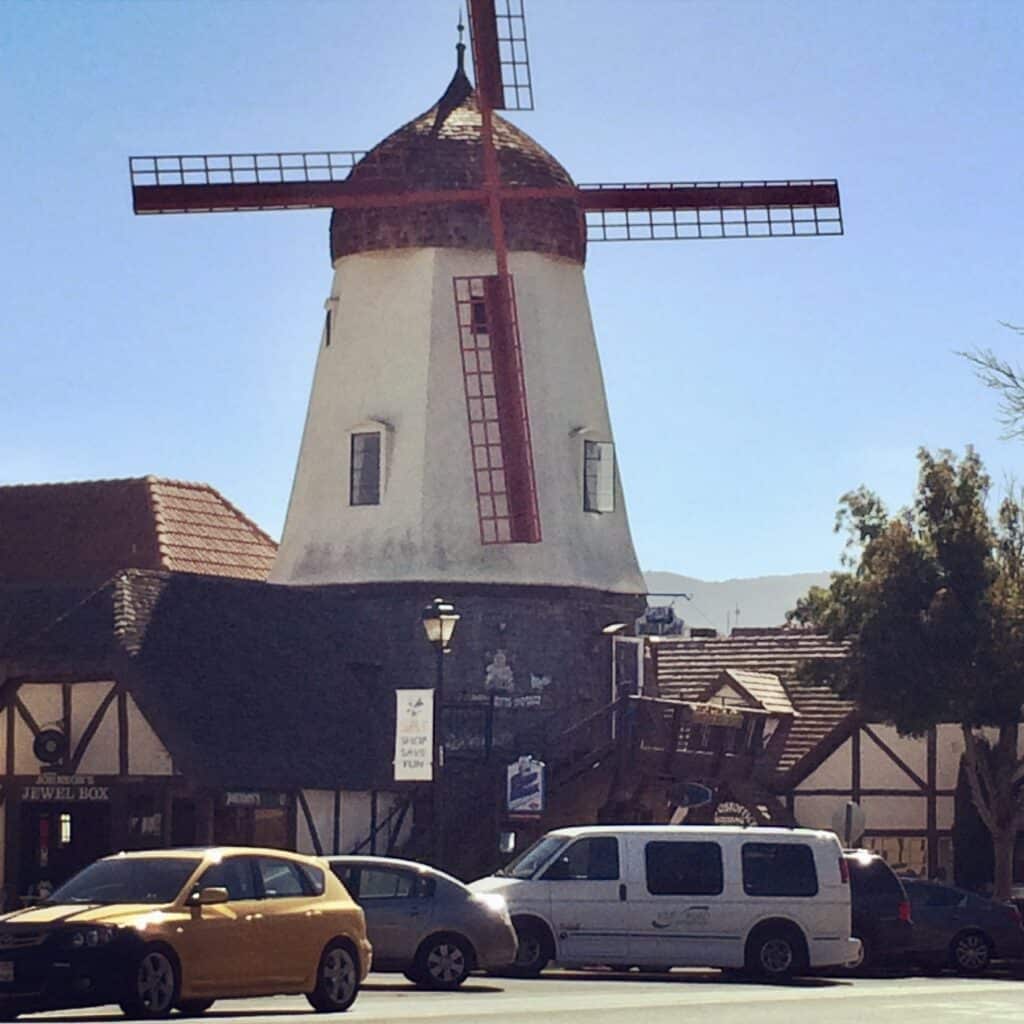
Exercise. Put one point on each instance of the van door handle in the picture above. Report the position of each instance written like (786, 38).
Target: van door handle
(622, 893)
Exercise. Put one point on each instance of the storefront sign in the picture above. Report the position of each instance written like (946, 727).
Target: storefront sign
(414, 735)
(708, 715)
(524, 790)
(65, 788)
(248, 798)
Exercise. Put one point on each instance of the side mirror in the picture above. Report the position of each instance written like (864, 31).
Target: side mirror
(209, 894)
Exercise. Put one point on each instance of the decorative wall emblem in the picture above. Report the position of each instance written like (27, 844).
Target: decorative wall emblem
(499, 675)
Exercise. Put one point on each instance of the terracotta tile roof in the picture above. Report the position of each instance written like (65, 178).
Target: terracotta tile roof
(85, 532)
(223, 668)
(686, 668)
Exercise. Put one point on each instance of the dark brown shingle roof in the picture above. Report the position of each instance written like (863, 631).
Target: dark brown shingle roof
(247, 683)
(86, 532)
(441, 150)
(686, 667)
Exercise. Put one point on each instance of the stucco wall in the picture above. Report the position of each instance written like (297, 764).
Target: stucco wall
(394, 359)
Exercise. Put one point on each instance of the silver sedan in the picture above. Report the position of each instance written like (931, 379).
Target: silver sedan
(425, 923)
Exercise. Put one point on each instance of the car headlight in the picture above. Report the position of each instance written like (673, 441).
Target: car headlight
(89, 938)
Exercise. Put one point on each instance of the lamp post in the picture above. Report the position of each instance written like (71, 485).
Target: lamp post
(439, 619)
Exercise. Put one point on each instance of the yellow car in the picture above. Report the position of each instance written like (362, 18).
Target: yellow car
(176, 929)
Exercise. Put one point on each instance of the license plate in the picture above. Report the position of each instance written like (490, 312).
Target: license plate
(6, 970)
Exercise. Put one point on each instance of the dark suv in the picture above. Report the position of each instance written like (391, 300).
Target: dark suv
(880, 910)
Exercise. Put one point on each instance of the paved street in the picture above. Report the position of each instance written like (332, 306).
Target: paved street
(577, 997)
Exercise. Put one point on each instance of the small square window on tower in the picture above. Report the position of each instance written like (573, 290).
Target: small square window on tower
(364, 469)
(598, 476)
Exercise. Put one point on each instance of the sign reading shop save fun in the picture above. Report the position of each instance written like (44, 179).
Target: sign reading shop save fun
(68, 788)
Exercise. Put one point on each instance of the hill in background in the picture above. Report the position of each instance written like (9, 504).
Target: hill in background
(723, 604)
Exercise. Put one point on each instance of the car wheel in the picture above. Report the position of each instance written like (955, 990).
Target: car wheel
(444, 962)
(194, 1007)
(152, 989)
(970, 953)
(413, 975)
(775, 954)
(337, 979)
(534, 952)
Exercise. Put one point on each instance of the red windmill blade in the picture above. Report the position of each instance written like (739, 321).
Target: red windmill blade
(501, 58)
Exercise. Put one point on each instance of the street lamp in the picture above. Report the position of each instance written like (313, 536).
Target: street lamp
(439, 619)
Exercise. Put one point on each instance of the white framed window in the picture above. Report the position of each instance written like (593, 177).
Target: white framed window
(598, 476)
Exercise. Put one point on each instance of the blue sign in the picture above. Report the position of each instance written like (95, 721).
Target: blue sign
(691, 794)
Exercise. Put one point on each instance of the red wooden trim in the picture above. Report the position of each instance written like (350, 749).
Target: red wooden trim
(496, 410)
(894, 757)
(306, 195)
(483, 22)
(90, 729)
(713, 196)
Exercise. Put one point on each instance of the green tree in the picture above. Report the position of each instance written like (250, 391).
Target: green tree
(931, 601)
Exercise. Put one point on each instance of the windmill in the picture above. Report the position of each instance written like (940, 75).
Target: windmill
(461, 178)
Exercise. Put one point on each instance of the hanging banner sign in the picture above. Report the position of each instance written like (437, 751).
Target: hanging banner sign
(414, 735)
(524, 789)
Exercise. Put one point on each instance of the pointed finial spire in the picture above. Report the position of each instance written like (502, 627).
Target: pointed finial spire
(460, 46)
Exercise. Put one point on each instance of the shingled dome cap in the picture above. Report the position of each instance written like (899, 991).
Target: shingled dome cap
(441, 150)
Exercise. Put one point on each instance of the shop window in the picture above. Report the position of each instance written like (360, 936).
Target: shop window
(364, 468)
(779, 869)
(683, 869)
(598, 476)
(65, 829)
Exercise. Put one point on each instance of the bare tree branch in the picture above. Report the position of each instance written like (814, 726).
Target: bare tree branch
(1004, 378)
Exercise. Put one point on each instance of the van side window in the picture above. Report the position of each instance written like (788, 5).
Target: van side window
(779, 869)
(683, 869)
(595, 859)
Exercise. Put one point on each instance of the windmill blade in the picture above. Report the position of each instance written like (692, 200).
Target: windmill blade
(711, 209)
(501, 59)
(241, 181)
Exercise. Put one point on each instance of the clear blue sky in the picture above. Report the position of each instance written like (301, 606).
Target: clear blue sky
(750, 382)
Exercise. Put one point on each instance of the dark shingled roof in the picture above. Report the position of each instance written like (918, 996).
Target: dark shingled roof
(441, 150)
(686, 667)
(86, 532)
(246, 683)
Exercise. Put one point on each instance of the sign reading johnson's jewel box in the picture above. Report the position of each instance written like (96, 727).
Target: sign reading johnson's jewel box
(66, 788)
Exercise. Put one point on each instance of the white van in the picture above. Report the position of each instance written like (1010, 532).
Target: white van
(774, 901)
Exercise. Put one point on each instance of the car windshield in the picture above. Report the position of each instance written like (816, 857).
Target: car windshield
(128, 880)
(533, 857)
